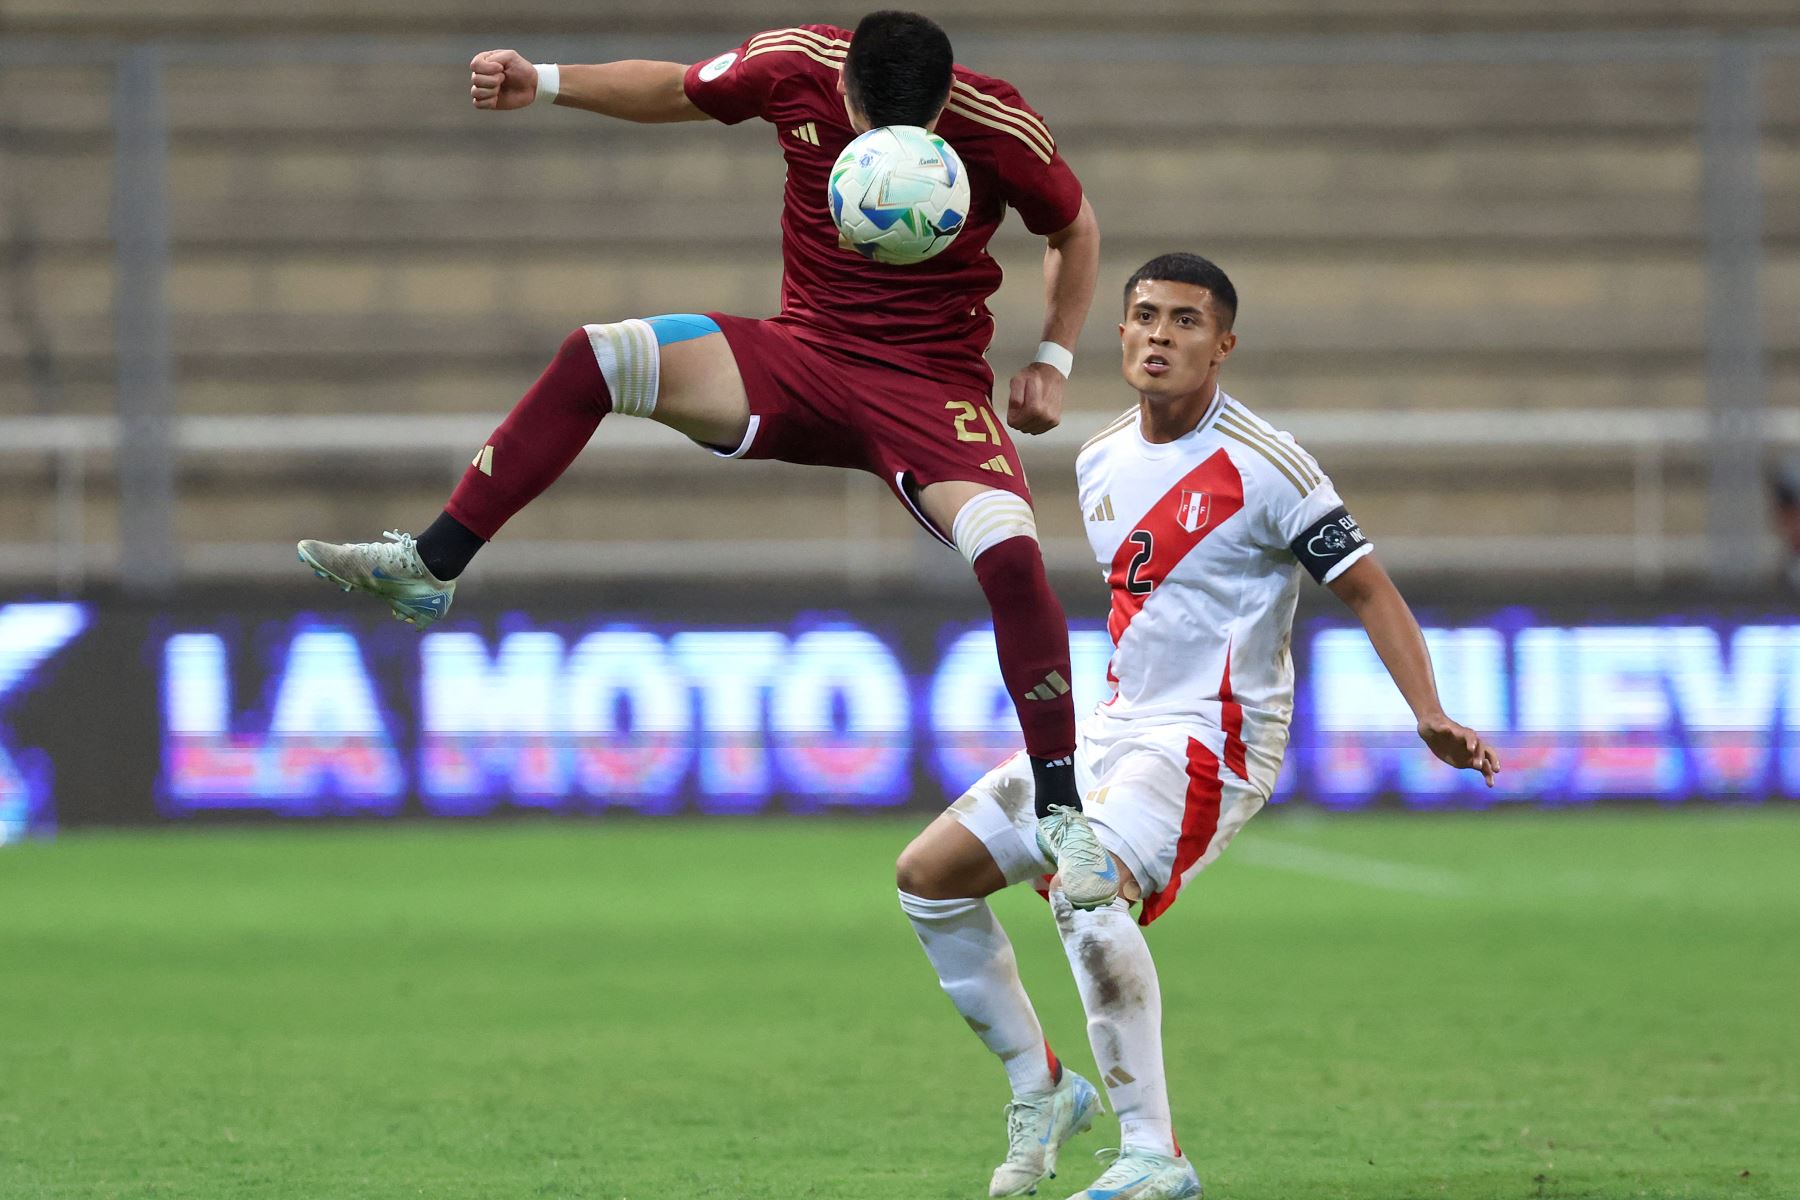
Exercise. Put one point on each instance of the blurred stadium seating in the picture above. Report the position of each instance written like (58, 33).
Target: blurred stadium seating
(1473, 272)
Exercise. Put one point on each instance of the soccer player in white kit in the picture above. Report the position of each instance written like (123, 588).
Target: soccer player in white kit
(1201, 516)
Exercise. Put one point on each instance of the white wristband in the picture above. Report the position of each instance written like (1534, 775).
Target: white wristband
(1056, 356)
(549, 82)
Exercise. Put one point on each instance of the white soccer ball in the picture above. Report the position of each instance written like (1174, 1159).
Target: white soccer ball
(899, 194)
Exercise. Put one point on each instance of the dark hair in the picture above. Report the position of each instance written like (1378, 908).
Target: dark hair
(898, 68)
(1190, 268)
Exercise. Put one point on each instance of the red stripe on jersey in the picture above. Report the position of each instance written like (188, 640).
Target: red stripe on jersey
(1231, 715)
(1205, 498)
(1199, 821)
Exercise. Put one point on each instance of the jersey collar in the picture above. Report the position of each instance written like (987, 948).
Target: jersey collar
(1152, 449)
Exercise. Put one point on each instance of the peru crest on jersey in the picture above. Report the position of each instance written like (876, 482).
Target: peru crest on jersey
(1192, 511)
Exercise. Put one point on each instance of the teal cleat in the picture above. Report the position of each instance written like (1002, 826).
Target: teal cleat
(1089, 877)
(390, 570)
(1141, 1175)
(1036, 1128)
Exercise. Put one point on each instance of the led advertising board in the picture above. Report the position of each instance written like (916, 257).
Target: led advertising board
(119, 716)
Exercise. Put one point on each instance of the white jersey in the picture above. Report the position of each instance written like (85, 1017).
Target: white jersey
(1201, 541)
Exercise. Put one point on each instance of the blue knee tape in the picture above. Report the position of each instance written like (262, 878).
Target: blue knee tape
(680, 327)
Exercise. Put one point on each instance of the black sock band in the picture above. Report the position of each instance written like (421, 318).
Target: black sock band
(447, 546)
(1055, 784)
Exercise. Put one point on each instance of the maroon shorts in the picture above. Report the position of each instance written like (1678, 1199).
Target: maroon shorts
(826, 407)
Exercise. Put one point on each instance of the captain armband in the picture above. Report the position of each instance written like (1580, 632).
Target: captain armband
(1330, 544)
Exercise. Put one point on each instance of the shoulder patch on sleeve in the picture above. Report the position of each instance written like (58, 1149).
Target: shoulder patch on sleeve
(718, 66)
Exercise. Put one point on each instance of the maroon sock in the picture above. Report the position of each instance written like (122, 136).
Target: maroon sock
(536, 443)
(1032, 637)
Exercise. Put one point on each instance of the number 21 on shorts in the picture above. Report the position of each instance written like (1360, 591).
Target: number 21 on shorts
(967, 413)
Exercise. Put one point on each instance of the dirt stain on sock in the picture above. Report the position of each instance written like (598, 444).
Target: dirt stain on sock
(1093, 961)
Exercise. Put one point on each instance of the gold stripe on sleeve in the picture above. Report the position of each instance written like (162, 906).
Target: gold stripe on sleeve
(1272, 449)
(796, 34)
(1305, 463)
(1231, 432)
(796, 48)
(972, 115)
(1028, 122)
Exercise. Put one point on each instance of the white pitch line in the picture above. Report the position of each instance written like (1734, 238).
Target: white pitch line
(1349, 868)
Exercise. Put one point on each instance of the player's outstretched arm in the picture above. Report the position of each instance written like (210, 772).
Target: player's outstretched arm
(632, 90)
(1071, 265)
(1395, 634)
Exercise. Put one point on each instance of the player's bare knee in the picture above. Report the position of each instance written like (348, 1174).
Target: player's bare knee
(919, 872)
(947, 862)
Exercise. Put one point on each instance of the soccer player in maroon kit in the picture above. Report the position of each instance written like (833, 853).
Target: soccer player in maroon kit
(868, 366)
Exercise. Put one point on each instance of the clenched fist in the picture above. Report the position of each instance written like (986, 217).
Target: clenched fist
(1035, 399)
(502, 79)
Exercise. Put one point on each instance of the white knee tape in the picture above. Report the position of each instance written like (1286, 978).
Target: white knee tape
(988, 520)
(631, 361)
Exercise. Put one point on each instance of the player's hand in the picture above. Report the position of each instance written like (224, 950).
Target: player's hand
(1034, 403)
(502, 79)
(1460, 746)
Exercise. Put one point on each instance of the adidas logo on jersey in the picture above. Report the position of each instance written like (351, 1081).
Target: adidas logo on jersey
(998, 463)
(1054, 685)
(808, 133)
(484, 462)
(1103, 511)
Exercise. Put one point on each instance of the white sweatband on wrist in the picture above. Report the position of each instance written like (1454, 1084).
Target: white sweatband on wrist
(990, 518)
(1056, 356)
(549, 82)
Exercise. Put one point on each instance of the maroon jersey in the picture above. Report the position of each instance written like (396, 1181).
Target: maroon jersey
(928, 318)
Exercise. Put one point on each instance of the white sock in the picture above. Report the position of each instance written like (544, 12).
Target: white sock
(975, 963)
(1118, 986)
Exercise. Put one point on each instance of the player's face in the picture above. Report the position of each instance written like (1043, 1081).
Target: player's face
(1172, 340)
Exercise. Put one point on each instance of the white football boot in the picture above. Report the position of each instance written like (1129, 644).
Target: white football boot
(1089, 877)
(389, 570)
(1037, 1127)
(1141, 1175)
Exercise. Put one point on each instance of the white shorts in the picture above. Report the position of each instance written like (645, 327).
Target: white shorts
(1167, 799)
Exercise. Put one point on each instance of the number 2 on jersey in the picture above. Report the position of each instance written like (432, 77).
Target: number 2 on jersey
(1146, 544)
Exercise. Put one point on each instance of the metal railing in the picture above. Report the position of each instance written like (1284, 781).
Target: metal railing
(83, 449)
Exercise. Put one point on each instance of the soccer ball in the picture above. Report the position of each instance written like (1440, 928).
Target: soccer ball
(898, 194)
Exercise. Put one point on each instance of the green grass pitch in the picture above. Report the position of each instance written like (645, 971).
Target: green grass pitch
(1511, 1006)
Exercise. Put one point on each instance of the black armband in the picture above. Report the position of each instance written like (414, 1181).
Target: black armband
(1327, 542)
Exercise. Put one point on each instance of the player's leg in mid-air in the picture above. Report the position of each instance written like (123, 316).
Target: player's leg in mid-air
(675, 369)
